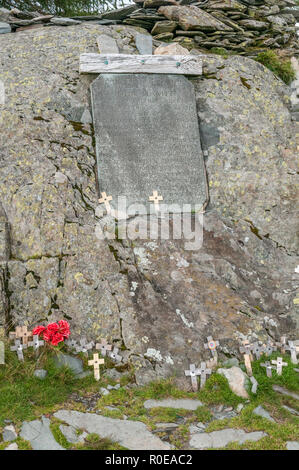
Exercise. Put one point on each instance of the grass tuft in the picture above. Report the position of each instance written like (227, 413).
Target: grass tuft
(281, 67)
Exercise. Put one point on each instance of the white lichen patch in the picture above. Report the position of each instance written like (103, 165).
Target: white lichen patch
(154, 354)
(184, 319)
(142, 259)
(182, 263)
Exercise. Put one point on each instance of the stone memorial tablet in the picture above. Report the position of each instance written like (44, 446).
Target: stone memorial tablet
(147, 139)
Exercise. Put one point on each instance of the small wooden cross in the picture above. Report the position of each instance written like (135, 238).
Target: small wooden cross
(18, 347)
(21, 332)
(203, 373)
(282, 344)
(211, 345)
(269, 348)
(36, 343)
(106, 200)
(269, 368)
(155, 198)
(193, 373)
(96, 362)
(114, 355)
(279, 365)
(103, 346)
(84, 346)
(71, 343)
(246, 351)
(257, 349)
(293, 350)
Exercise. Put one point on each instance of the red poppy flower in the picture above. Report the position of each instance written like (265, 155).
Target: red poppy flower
(38, 330)
(54, 333)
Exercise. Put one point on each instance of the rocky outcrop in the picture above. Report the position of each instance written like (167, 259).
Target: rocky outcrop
(153, 298)
(239, 26)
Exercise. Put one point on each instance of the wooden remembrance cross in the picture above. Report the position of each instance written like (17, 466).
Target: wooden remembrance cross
(96, 362)
(146, 155)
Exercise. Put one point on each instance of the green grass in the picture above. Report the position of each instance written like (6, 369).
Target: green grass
(281, 67)
(23, 396)
(95, 442)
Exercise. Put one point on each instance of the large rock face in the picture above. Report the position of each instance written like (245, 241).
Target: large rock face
(154, 298)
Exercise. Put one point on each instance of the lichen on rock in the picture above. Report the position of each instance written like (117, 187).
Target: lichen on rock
(53, 264)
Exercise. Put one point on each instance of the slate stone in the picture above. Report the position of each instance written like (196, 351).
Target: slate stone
(9, 433)
(107, 45)
(5, 28)
(147, 138)
(232, 361)
(74, 363)
(164, 27)
(13, 446)
(71, 435)
(40, 374)
(183, 403)
(260, 411)
(39, 435)
(120, 13)
(222, 438)
(164, 36)
(4, 14)
(64, 21)
(107, 22)
(191, 17)
(133, 435)
(144, 43)
(292, 445)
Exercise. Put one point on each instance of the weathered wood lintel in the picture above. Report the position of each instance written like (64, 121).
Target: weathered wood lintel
(128, 63)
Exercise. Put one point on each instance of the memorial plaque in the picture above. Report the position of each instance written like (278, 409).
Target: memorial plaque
(147, 139)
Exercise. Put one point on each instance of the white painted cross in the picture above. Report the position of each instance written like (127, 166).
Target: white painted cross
(84, 346)
(258, 349)
(279, 365)
(293, 350)
(211, 345)
(193, 372)
(96, 362)
(269, 348)
(114, 355)
(71, 343)
(106, 200)
(155, 198)
(36, 343)
(203, 373)
(103, 347)
(18, 347)
(269, 368)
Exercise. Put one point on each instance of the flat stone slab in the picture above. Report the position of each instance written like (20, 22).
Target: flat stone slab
(107, 44)
(74, 363)
(292, 445)
(130, 434)
(260, 411)
(217, 439)
(39, 435)
(71, 435)
(183, 403)
(4, 28)
(144, 43)
(147, 139)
